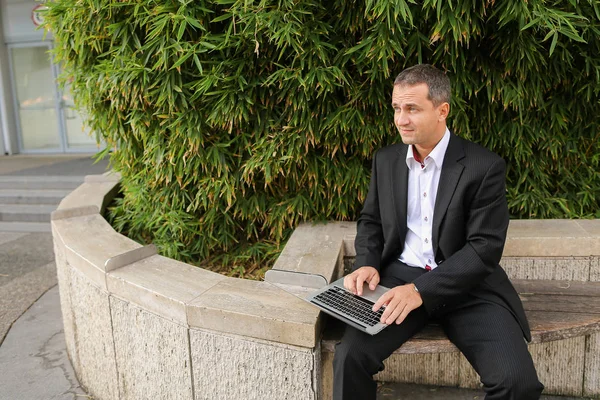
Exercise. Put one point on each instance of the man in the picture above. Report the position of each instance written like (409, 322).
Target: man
(432, 229)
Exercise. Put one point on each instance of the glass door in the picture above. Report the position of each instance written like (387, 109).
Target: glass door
(78, 137)
(35, 99)
(46, 119)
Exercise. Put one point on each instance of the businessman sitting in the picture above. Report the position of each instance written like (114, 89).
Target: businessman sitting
(433, 228)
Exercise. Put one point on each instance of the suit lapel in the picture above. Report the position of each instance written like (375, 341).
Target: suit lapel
(451, 172)
(399, 184)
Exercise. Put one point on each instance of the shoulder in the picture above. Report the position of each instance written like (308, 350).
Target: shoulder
(392, 151)
(476, 155)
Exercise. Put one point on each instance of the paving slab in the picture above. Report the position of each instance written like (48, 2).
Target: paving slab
(32, 196)
(26, 212)
(18, 257)
(20, 293)
(39, 182)
(6, 237)
(33, 358)
(13, 227)
(52, 165)
(20, 162)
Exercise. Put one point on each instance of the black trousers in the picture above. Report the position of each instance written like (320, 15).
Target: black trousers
(486, 333)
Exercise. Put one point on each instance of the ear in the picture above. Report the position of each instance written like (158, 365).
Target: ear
(443, 111)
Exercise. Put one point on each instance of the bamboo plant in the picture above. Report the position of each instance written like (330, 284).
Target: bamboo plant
(232, 121)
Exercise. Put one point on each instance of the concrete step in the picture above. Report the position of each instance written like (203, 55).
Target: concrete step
(31, 196)
(26, 212)
(40, 182)
(25, 227)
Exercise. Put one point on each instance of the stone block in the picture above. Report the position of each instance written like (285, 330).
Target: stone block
(233, 367)
(591, 383)
(97, 190)
(534, 238)
(425, 369)
(108, 176)
(595, 269)
(63, 274)
(315, 249)
(255, 309)
(73, 212)
(326, 375)
(551, 238)
(152, 354)
(161, 285)
(87, 194)
(90, 241)
(93, 340)
(592, 228)
(439, 369)
(555, 268)
(544, 228)
(467, 377)
(349, 249)
(560, 365)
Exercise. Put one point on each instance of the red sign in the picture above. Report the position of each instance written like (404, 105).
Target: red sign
(36, 16)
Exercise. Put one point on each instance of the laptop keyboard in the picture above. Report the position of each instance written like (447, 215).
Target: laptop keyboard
(347, 303)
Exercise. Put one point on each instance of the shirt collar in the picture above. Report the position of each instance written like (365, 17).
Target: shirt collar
(436, 155)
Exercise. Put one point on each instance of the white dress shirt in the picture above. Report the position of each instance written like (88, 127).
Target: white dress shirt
(423, 180)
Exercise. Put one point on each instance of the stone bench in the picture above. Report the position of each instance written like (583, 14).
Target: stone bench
(140, 325)
(554, 266)
(565, 321)
(556, 310)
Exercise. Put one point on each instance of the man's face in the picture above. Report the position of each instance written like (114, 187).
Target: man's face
(419, 122)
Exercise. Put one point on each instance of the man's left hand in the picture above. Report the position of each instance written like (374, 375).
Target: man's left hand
(398, 302)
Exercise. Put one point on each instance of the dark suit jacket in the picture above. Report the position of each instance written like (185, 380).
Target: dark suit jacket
(470, 221)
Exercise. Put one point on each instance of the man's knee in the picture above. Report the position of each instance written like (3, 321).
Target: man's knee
(348, 357)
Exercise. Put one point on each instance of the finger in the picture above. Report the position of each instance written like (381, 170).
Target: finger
(389, 310)
(360, 280)
(381, 301)
(374, 281)
(396, 313)
(403, 315)
(347, 282)
(351, 283)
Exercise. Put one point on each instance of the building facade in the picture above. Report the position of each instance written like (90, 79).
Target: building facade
(37, 116)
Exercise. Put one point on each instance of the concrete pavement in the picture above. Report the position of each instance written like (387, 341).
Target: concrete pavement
(33, 357)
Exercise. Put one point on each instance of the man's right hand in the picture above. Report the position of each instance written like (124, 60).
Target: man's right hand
(354, 281)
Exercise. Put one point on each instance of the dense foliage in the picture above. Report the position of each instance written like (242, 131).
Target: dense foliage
(231, 121)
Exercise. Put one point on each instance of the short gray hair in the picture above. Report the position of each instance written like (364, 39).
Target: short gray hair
(437, 81)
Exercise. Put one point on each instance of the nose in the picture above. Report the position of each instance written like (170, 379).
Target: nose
(401, 119)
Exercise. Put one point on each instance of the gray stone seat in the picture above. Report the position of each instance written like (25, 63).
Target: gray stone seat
(564, 317)
(555, 309)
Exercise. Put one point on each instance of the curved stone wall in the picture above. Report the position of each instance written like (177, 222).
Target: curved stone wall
(139, 325)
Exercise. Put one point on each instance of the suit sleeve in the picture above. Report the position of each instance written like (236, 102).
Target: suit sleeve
(486, 224)
(369, 232)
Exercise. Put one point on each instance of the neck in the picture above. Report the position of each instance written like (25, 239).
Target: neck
(424, 149)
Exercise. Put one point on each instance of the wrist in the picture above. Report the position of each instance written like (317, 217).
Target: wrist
(415, 288)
